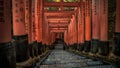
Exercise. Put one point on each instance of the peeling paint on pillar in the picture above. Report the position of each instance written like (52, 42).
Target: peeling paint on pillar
(95, 26)
(104, 44)
(7, 47)
(116, 48)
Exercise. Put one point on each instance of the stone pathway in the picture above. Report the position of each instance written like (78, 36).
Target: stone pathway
(63, 59)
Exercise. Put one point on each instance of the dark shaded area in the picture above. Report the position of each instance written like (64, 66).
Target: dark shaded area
(116, 48)
(7, 55)
(21, 45)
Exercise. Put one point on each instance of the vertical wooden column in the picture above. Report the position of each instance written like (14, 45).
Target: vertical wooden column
(75, 31)
(19, 32)
(33, 26)
(95, 26)
(104, 44)
(28, 4)
(116, 49)
(40, 20)
(87, 26)
(7, 49)
(81, 28)
(72, 32)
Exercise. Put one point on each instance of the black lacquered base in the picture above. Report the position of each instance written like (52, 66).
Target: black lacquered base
(87, 46)
(104, 48)
(31, 50)
(116, 46)
(94, 45)
(81, 46)
(21, 44)
(7, 55)
(35, 45)
(40, 48)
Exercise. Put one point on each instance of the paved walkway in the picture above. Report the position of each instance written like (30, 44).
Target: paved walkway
(59, 58)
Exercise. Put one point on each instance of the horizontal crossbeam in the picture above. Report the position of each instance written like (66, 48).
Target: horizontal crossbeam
(58, 4)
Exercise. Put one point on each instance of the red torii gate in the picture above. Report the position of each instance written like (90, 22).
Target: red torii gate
(29, 27)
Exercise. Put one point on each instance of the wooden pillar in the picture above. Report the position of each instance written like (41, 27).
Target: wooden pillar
(7, 47)
(116, 49)
(87, 26)
(28, 26)
(19, 32)
(104, 44)
(81, 27)
(33, 27)
(40, 20)
(95, 26)
(74, 22)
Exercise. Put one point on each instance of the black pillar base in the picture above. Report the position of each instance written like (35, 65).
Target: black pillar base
(31, 50)
(22, 52)
(104, 48)
(75, 46)
(116, 46)
(94, 46)
(40, 48)
(43, 48)
(35, 48)
(7, 55)
(81, 46)
(87, 46)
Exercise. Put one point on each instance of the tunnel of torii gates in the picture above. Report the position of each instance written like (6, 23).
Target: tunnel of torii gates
(27, 29)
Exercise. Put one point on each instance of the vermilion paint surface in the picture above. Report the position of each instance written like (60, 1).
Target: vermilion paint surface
(95, 19)
(87, 21)
(18, 17)
(5, 22)
(103, 20)
(117, 29)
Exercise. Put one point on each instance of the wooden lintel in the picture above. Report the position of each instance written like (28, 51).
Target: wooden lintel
(59, 13)
(64, 4)
(58, 21)
(58, 27)
(60, 16)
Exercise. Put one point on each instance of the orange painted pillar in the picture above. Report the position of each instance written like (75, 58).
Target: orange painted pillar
(40, 20)
(81, 28)
(19, 32)
(33, 26)
(28, 26)
(104, 44)
(95, 26)
(72, 33)
(74, 22)
(116, 49)
(87, 25)
(43, 34)
(7, 49)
